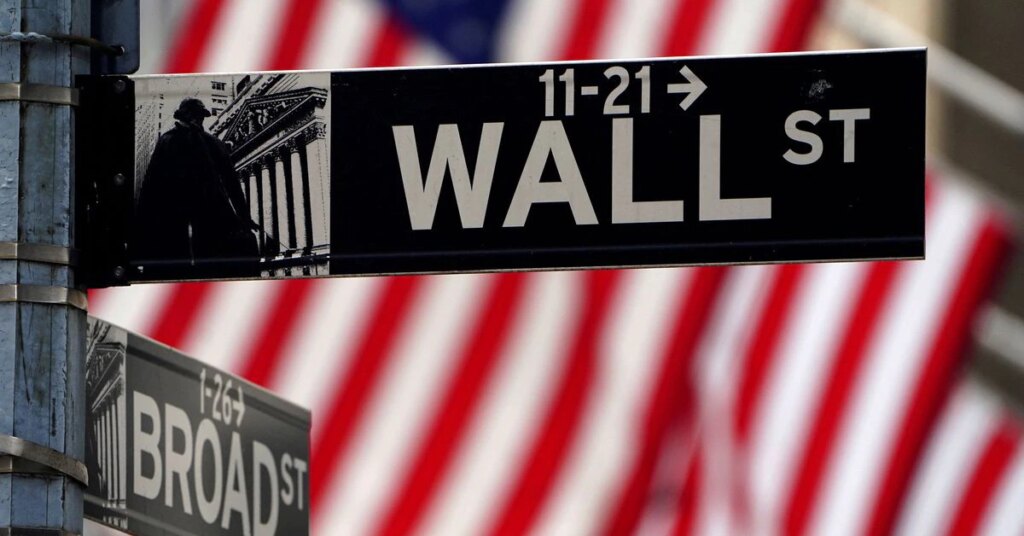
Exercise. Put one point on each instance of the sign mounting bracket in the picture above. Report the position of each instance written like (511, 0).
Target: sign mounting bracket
(116, 23)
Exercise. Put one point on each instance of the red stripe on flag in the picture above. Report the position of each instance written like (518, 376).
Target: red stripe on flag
(671, 392)
(96, 297)
(689, 499)
(795, 25)
(939, 371)
(178, 315)
(389, 44)
(761, 354)
(591, 16)
(192, 42)
(371, 355)
(264, 360)
(688, 25)
(989, 471)
(293, 41)
(560, 424)
(479, 358)
(846, 367)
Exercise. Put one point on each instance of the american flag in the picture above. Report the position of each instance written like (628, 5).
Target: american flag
(797, 399)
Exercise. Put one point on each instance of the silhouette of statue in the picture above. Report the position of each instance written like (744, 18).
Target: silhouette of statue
(192, 219)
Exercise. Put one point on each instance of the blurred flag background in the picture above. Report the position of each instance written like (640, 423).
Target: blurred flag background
(791, 399)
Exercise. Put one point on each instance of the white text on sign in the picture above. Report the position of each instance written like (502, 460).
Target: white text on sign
(472, 192)
(169, 455)
(552, 143)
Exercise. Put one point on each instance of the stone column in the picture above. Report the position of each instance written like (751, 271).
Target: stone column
(122, 460)
(283, 208)
(112, 435)
(112, 450)
(114, 477)
(301, 161)
(318, 171)
(269, 220)
(98, 426)
(243, 175)
(300, 195)
(96, 435)
(250, 191)
(99, 446)
(106, 450)
(260, 211)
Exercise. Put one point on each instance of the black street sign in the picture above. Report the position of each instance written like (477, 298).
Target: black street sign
(679, 161)
(175, 447)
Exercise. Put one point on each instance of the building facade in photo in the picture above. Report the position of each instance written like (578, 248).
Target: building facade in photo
(276, 129)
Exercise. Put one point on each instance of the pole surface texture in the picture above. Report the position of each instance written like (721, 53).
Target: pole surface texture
(42, 360)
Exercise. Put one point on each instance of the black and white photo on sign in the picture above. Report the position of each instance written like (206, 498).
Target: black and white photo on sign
(106, 427)
(232, 176)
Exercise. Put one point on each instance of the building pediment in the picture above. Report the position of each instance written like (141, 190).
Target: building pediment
(263, 115)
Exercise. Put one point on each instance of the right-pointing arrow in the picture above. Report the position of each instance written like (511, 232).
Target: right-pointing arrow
(693, 88)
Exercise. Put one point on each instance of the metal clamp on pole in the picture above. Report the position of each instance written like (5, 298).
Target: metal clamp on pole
(44, 295)
(14, 91)
(44, 253)
(20, 466)
(60, 463)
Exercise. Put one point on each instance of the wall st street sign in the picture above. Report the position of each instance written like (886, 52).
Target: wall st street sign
(678, 161)
(175, 447)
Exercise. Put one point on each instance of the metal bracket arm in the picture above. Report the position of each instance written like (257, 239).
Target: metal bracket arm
(36, 37)
(27, 450)
(43, 295)
(45, 253)
(14, 91)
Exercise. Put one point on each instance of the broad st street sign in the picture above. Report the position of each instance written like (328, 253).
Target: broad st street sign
(176, 447)
(679, 161)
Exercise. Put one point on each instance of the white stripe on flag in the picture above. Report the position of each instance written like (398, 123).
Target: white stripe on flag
(345, 35)
(319, 350)
(731, 327)
(245, 35)
(504, 424)
(1005, 513)
(909, 324)
(642, 314)
(159, 21)
(820, 312)
(133, 308)
(741, 26)
(955, 444)
(637, 28)
(223, 330)
(535, 30)
(428, 345)
(422, 52)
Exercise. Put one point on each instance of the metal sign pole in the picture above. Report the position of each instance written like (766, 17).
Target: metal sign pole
(42, 317)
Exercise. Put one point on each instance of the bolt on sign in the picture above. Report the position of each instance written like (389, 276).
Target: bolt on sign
(175, 447)
(677, 161)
